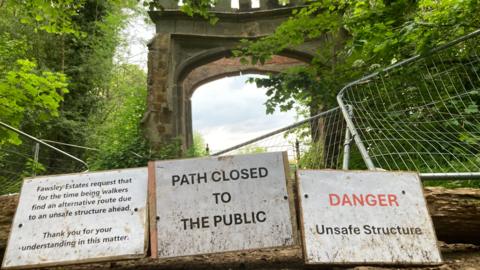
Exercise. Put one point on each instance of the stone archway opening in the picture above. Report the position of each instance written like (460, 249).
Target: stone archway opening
(235, 114)
(227, 70)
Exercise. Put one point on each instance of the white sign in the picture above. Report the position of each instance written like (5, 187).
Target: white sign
(77, 218)
(221, 204)
(365, 217)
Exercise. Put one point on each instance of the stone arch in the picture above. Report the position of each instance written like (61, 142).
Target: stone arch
(206, 57)
(184, 46)
(221, 68)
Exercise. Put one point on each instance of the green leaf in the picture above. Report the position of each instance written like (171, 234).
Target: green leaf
(471, 109)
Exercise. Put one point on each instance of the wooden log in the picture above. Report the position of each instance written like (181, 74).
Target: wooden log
(455, 214)
(8, 205)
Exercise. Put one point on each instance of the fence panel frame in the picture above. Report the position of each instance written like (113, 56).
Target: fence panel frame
(354, 131)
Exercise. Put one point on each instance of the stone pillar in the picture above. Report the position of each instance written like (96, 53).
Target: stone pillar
(223, 6)
(169, 4)
(158, 122)
(179, 115)
(269, 4)
(188, 121)
(245, 5)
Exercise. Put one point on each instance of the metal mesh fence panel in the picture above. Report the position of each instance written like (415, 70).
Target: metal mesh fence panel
(313, 143)
(422, 114)
(33, 157)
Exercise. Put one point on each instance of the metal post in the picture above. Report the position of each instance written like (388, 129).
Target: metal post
(43, 143)
(297, 149)
(358, 141)
(36, 150)
(347, 142)
(346, 149)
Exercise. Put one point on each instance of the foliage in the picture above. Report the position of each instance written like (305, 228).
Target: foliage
(294, 88)
(200, 8)
(26, 92)
(312, 158)
(357, 37)
(49, 46)
(55, 17)
(75, 42)
(252, 149)
(43, 46)
(189, 7)
(11, 49)
(199, 148)
(115, 129)
(32, 167)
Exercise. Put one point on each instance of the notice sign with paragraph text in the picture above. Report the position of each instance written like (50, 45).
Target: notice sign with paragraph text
(75, 218)
(220, 204)
(355, 217)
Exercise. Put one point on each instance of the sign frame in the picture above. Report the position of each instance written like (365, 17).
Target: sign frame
(360, 263)
(81, 261)
(288, 182)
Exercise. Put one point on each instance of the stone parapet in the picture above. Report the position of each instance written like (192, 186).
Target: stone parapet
(237, 6)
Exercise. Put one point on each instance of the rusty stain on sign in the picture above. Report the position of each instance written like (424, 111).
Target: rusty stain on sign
(365, 217)
(210, 205)
(77, 218)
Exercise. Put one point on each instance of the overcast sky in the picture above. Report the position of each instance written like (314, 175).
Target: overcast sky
(226, 111)
(229, 111)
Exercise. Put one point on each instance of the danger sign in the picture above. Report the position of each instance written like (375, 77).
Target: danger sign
(365, 217)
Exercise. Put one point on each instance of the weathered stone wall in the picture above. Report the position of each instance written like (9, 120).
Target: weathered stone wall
(244, 5)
